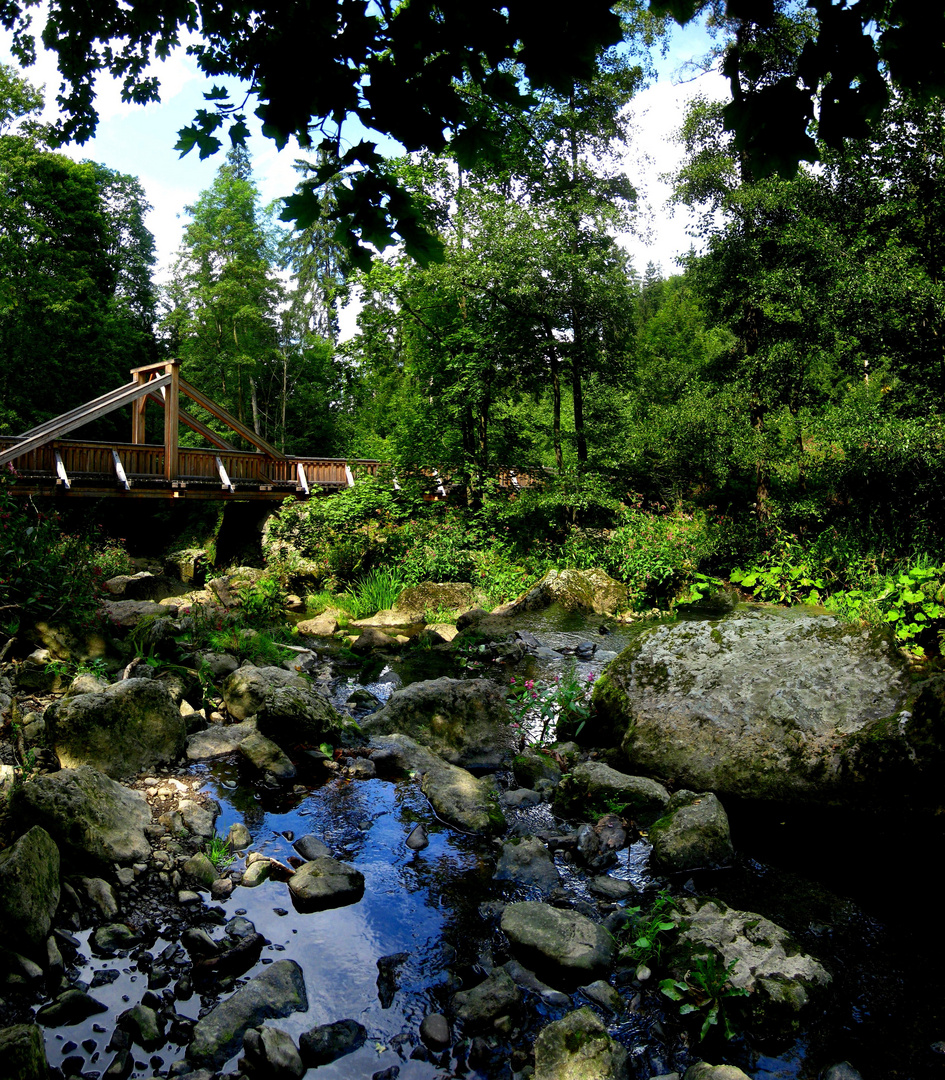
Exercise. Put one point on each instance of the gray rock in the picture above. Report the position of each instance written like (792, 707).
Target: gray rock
(266, 756)
(323, 625)
(278, 992)
(88, 815)
(71, 1007)
(200, 869)
(702, 1070)
(604, 995)
(219, 665)
(575, 590)
(143, 1025)
(562, 945)
(778, 705)
(23, 1052)
(464, 721)
(532, 765)
(112, 939)
(86, 684)
(102, 896)
(610, 888)
(29, 891)
(128, 728)
(527, 862)
(199, 817)
(594, 787)
(435, 1031)
(494, 997)
(693, 834)
(140, 586)
(528, 980)
(218, 740)
(310, 847)
(286, 706)
(324, 883)
(256, 873)
(843, 1070)
(780, 978)
(270, 1052)
(418, 839)
(238, 836)
(328, 1042)
(458, 797)
(126, 614)
(577, 1047)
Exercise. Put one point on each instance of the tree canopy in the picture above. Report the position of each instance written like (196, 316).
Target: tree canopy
(418, 72)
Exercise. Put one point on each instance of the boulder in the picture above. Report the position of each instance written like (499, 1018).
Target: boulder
(286, 706)
(23, 1052)
(593, 788)
(776, 705)
(429, 596)
(371, 638)
(526, 862)
(693, 834)
(765, 960)
(276, 993)
(323, 625)
(88, 815)
(266, 756)
(458, 797)
(559, 944)
(130, 727)
(702, 1070)
(325, 883)
(126, 614)
(328, 1042)
(577, 1047)
(574, 590)
(29, 891)
(141, 586)
(218, 740)
(464, 721)
(271, 1053)
(482, 1004)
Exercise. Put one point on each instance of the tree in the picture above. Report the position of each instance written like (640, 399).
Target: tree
(223, 306)
(402, 70)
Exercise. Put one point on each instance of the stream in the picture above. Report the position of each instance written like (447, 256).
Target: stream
(854, 892)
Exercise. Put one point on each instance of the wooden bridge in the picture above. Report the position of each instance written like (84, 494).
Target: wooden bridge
(45, 463)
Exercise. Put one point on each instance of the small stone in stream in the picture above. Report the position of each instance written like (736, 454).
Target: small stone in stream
(418, 839)
(841, 1071)
(103, 977)
(112, 939)
(327, 1042)
(387, 1074)
(325, 883)
(271, 1053)
(238, 836)
(240, 927)
(256, 873)
(610, 888)
(604, 995)
(198, 942)
(71, 1007)
(435, 1031)
(310, 847)
(185, 896)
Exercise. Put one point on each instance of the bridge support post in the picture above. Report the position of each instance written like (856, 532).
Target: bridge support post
(171, 422)
(137, 409)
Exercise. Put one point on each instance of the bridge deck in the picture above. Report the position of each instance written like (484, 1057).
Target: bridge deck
(137, 470)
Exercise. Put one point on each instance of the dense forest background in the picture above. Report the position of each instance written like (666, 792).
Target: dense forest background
(771, 414)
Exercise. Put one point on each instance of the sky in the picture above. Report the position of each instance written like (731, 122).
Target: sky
(139, 140)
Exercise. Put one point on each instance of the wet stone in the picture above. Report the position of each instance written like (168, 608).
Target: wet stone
(112, 939)
(325, 883)
(271, 1053)
(310, 847)
(71, 1007)
(327, 1042)
(435, 1031)
(418, 839)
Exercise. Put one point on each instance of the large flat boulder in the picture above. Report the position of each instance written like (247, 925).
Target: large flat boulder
(29, 891)
(560, 945)
(773, 704)
(88, 815)
(324, 883)
(129, 727)
(578, 1047)
(575, 590)
(286, 706)
(465, 721)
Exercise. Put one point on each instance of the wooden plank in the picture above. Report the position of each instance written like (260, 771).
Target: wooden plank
(61, 425)
(224, 479)
(61, 472)
(303, 480)
(230, 420)
(172, 423)
(196, 425)
(137, 411)
(349, 475)
(120, 471)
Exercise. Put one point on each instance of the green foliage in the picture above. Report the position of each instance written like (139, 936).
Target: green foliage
(648, 932)
(705, 991)
(218, 852)
(562, 705)
(262, 603)
(376, 591)
(785, 577)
